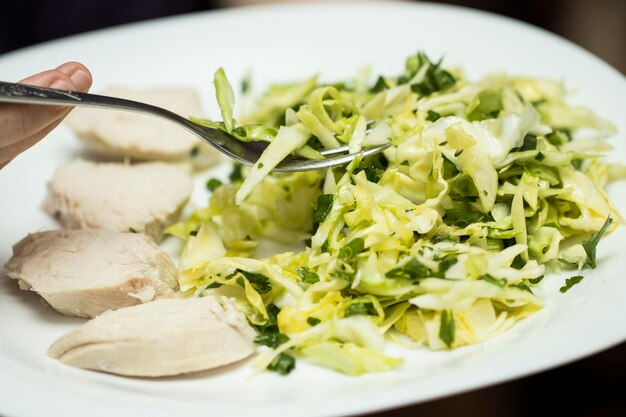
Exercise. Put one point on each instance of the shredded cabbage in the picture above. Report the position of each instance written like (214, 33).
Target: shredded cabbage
(440, 239)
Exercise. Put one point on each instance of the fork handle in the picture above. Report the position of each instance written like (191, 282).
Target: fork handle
(28, 94)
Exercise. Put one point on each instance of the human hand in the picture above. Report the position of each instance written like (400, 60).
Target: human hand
(23, 125)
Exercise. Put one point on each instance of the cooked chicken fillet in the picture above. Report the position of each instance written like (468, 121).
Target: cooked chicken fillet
(164, 337)
(143, 197)
(139, 135)
(86, 272)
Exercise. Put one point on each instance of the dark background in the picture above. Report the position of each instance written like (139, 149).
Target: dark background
(599, 25)
(593, 387)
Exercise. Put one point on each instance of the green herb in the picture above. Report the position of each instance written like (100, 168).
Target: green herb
(212, 184)
(374, 174)
(271, 339)
(307, 275)
(245, 84)
(213, 285)
(591, 244)
(523, 287)
(444, 265)
(259, 282)
(540, 156)
(518, 262)
(530, 144)
(193, 233)
(323, 207)
(449, 169)
(236, 175)
(500, 282)
(413, 270)
(346, 276)
(240, 131)
(446, 328)
(379, 86)
(432, 116)
(559, 137)
(374, 168)
(435, 79)
(131, 230)
(351, 249)
(471, 218)
(283, 364)
(313, 321)
(570, 282)
(270, 325)
(194, 151)
(568, 263)
(535, 280)
(403, 79)
(359, 309)
(260, 165)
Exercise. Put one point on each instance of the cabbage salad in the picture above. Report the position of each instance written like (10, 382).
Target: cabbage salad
(437, 242)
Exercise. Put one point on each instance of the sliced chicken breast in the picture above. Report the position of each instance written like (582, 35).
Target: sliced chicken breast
(164, 337)
(86, 272)
(144, 197)
(138, 135)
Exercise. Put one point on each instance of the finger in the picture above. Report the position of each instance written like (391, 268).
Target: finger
(8, 153)
(18, 121)
(79, 75)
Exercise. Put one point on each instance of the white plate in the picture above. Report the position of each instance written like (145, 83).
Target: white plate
(282, 43)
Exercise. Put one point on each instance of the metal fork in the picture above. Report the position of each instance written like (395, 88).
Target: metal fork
(245, 152)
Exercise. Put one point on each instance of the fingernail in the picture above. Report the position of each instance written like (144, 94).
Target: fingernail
(81, 80)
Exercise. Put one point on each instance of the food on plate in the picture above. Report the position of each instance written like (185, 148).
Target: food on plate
(86, 272)
(138, 135)
(163, 337)
(142, 198)
(438, 242)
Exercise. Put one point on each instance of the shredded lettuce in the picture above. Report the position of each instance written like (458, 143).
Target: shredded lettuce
(441, 240)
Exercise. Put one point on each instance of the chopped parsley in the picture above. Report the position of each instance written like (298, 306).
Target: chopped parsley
(432, 116)
(500, 282)
(283, 364)
(359, 309)
(236, 175)
(323, 207)
(212, 184)
(351, 249)
(379, 86)
(313, 321)
(446, 328)
(259, 282)
(570, 282)
(271, 339)
(413, 270)
(444, 265)
(435, 79)
(591, 244)
(307, 275)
